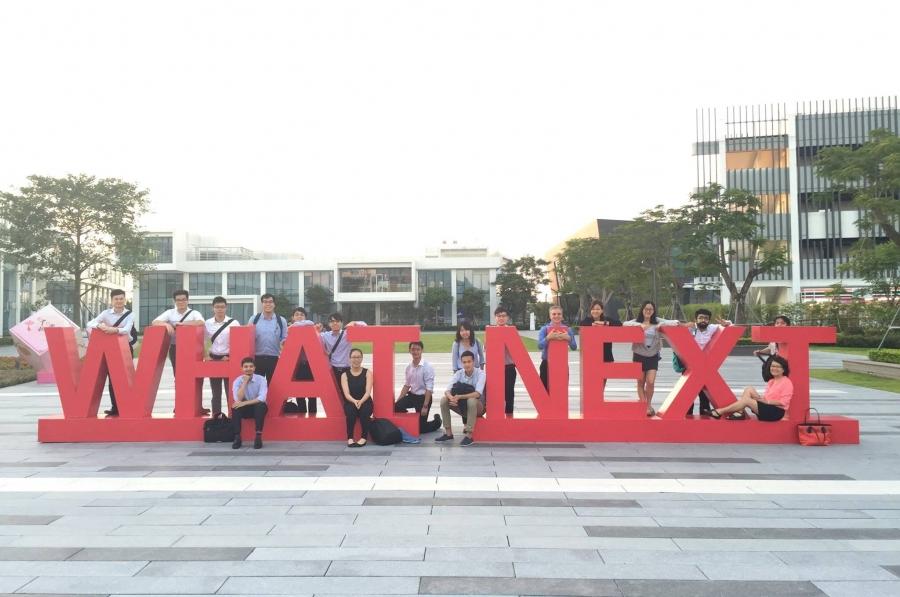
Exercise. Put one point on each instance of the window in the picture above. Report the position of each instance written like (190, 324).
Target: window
(318, 294)
(243, 283)
(155, 294)
(763, 158)
(284, 285)
(160, 248)
(475, 278)
(205, 284)
(381, 279)
(436, 279)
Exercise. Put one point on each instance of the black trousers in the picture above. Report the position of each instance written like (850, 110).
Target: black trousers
(112, 392)
(704, 403)
(511, 377)
(417, 402)
(216, 384)
(265, 365)
(257, 412)
(545, 375)
(363, 414)
(172, 357)
(302, 372)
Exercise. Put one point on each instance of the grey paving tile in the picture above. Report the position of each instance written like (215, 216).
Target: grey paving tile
(658, 570)
(376, 568)
(209, 554)
(239, 568)
(71, 568)
(511, 554)
(687, 459)
(430, 585)
(36, 553)
(9, 584)
(115, 584)
(860, 589)
(334, 584)
(337, 553)
(746, 476)
(24, 519)
(81, 540)
(743, 533)
(674, 588)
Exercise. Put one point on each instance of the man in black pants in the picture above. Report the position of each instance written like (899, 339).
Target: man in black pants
(501, 317)
(115, 320)
(249, 393)
(416, 393)
(271, 332)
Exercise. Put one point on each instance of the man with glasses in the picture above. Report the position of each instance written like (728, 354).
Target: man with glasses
(703, 332)
(336, 345)
(417, 390)
(218, 333)
(271, 332)
(182, 314)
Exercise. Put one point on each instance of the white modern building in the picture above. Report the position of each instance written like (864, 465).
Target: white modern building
(771, 151)
(378, 290)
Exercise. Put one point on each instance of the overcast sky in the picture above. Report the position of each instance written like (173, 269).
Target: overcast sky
(381, 128)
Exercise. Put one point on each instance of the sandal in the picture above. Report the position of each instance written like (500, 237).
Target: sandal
(715, 414)
(737, 416)
(361, 443)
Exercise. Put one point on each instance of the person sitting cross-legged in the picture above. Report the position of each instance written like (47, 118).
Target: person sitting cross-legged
(464, 396)
(772, 406)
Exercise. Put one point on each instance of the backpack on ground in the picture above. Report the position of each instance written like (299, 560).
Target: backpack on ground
(384, 432)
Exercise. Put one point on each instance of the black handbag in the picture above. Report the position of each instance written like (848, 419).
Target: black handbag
(384, 432)
(218, 429)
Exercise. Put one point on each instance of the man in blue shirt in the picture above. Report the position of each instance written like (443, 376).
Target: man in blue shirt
(271, 332)
(464, 395)
(249, 393)
(555, 331)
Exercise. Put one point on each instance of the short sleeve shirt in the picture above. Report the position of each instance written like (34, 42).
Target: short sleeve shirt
(223, 341)
(172, 316)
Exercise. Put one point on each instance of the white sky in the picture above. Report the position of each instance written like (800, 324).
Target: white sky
(401, 124)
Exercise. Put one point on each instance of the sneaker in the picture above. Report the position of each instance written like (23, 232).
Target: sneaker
(257, 443)
(237, 443)
(444, 438)
(467, 441)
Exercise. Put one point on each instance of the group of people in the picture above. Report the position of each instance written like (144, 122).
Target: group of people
(465, 393)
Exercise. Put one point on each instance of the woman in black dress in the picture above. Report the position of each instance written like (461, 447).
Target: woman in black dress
(598, 317)
(356, 384)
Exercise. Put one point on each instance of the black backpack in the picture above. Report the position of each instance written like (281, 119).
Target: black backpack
(218, 429)
(384, 432)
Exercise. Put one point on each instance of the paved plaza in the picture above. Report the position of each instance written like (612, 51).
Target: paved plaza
(317, 518)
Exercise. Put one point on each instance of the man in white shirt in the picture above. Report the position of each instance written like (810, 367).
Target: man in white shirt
(116, 320)
(703, 332)
(417, 390)
(465, 394)
(218, 333)
(180, 315)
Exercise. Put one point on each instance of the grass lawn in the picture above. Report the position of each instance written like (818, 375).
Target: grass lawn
(434, 342)
(863, 380)
(10, 376)
(843, 349)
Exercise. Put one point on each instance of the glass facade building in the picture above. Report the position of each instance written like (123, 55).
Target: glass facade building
(385, 292)
(770, 150)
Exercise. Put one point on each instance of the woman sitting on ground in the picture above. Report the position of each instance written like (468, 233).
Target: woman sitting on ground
(772, 406)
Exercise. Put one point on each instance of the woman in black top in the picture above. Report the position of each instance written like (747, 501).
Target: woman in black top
(598, 317)
(356, 384)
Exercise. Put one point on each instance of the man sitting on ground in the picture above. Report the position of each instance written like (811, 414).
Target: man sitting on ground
(249, 393)
(464, 396)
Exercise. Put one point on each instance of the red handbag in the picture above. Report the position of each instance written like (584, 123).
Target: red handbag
(814, 433)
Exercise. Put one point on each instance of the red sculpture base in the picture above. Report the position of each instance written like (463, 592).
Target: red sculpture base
(301, 428)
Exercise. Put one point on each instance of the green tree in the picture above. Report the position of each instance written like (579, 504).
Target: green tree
(580, 271)
(721, 228)
(77, 228)
(471, 304)
(319, 300)
(871, 175)
(879, 265)
(434, 301)
(517, 284)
